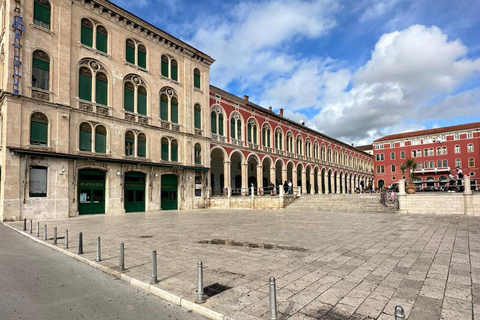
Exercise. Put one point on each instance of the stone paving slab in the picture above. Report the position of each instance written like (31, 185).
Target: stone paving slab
(327, 265)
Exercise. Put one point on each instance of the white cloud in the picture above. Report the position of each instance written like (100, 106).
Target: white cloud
(377, 8)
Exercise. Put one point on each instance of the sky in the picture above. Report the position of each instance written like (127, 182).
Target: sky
(355, 70)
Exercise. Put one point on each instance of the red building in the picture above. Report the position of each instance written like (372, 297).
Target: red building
(252, 145)
(436, 151)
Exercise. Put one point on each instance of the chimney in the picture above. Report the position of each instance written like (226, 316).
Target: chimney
(352, 145)
(245, 97)
(303, 123)
(281, 112)
(270, 108)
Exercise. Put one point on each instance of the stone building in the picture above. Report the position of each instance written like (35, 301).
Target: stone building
(101, 112)
(437, 152)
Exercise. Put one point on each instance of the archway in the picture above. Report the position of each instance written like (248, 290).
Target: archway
(299, 177)
(278, 173)
(329, 180)
(91, 191)
(309, 185)
(335, 182)
(134, 189)
(252, 172)
(381, 183)
(236, 160)
(341, 182)
(290, 172)
(267, 178)
(315, 180)
(323, 181)
(169, 191)
(217, 175)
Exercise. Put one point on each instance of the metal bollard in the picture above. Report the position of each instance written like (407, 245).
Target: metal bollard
(99, 253)
(154, 267)
(200, 297)
(80, 243)
(24, 224)
(37, 232)
(121, 264)
(66, 239)
(45, 233)
(272, 299)
(55, 235)
(31, 226)
(399, 313)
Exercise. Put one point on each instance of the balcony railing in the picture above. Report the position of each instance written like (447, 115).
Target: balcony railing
(93, 107)
(216, 137)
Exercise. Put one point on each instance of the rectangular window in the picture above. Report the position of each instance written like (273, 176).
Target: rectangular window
(165, 68)
(87, 36)
(196, 80)
(85, 141)
(197, 119)
(101, 42)
(165, 152)
(456, 137)
(101, 92)
(37, 182)
(469, 135)
(142, 149)
(174, 153)
(100, 143)
(142, 103)
(213, 122)
(85, 87)
(41, 70)
(130, 54)
(142, 59)
(38, 133)
(129, 147)
(175, 73)
(41, 16)
(174, 113)
(164, 110)
(129, 99)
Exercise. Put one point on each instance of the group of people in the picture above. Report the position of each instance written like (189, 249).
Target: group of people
(458, 178)
(387, 195)
(288, 187)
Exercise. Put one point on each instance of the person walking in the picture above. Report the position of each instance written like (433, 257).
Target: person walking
(460, 179)
(285, 187)
(451, 178)
(383, 196)
(290, 187)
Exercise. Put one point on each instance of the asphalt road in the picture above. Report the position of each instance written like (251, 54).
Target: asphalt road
(38, 283)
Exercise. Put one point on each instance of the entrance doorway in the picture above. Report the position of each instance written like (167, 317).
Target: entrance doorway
(91, 191)
(169, 199)
(134, 192)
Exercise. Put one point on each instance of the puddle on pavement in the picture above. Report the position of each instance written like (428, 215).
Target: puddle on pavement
(233, 243)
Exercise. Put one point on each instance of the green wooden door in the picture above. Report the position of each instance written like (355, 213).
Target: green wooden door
(169, 200)
(91, 192)
(134, 192)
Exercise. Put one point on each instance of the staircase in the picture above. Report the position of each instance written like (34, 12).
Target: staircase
(361, 203)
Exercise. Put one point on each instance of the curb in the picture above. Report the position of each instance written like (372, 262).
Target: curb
(163, 294)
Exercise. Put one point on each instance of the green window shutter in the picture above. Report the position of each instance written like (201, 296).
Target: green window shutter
(85, 141)
(142, 59)
(174, 113)
(165, 68)
(101, 92)
(128, 142)
(276, 140)
(165, 152)
(232, 128)
(197, 119)
(100, 143)
(128, 99)
(101, 42)
(85, 87)
(41, 13)
(196, 80)
(214, 122)
(142, 149)
(254, 134)
(130, 54)
(220, 124)
(44, 65)
(268, 138)
(38, 133)
(142, 103)
(263, 137)
(239, 130)
(164, 109)
(249, 132)
(175, 73)
(87, 36)
(174, 153)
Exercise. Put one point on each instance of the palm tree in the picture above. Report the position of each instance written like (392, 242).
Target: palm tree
(409, 167)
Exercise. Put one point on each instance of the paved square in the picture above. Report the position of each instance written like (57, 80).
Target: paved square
(327, 265)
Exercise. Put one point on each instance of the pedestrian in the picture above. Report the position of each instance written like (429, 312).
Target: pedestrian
(362, 184)
(290, 187)
(451, 178)
(460, 179)
(383, 196)
(285, 187)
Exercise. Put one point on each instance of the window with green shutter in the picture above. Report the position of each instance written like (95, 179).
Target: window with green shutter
(101, 89)
(142, 146)
(220, 124)
(268, 138)
(232, 128)
(263, 137)
(164, 149)
(38, 129)
(142, 100)
(102, 36)
(100, 139)
(174, 151)
(85, 84)
(164, 107)
(41, 13)
(254, 132)
(174, 110)
(197, 117)
(213, 122)
(142, 56)
(165, 66)
(85, 137)
(174, 70)
(198, 154)
(129, 143)
(196, 78)
(41, 70)
(87, 33)
(128, 97)
(249, 132)
(130, 51)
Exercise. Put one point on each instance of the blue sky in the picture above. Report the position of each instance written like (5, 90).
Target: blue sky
(354, 69)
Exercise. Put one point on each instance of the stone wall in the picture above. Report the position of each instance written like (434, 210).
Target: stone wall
(266, 202)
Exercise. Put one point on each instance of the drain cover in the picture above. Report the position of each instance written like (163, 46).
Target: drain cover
(214, 289)
(146, 236)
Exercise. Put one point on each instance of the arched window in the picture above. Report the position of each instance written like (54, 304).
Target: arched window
(136, 53)
(322, 153)
(458, 163)
(307, 148)
(100, 139)
(445, 163)
(197, 116)
(278, 139)
(289, 142)
(130, 51)
(329, 154)
(426, 166)
(266, 137)
(85, 136)
(142, 146)
(470, 147)
(165, 66)
(430, 152)
(471, 162)
(196, 78)
(129, 143)
(457, 149)
(198, 154)
(402, 154)
(392, 156)
(102, 39)
(439, 151)
(41, 70)
(252, 131)
(414, 153)
(236, 126)
(169, 67)
(142, 56)
(39, 129)
(168, 105)
(174, 150)
(425, 152)
(92, 73)
(164, 149)
(444, 150)
(299, 146)
(86, 36)
(174, 68)
(41, 13)
(217, 120)
(393, 168)
(439, 163)
(135, 86)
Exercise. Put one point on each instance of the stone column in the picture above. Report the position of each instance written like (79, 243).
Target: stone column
(245, 179)
(304, 181)
(227, 181)
(312, 182)
(325, 181)
(345, 184)
(273, 177)
(284, 175)
(319, 182)
(337, 189)
(260, 178)
(294, 178)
